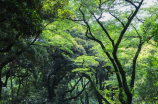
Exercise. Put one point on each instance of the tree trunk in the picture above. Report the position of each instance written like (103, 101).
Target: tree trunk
(87, 98)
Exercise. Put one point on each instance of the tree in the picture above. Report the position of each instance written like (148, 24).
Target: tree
(21, 23)
(20, 27)
(91, 12)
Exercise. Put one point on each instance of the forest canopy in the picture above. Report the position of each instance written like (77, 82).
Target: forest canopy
(78, 52)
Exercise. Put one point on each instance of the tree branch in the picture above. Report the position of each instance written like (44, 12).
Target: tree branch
(78, 93)
(73, 87)
(135, 58)
(117, 19)
(131, 3)
(136, 31)
(101, 25)
(134, 64)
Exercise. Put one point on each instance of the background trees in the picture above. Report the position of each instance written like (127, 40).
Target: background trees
(20, 27)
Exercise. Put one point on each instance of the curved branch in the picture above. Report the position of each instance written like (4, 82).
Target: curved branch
(136, 31)
(118, 19)
(132, 3)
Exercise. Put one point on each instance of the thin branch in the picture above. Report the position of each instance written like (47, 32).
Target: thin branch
(131, 3)
(149, 38)
(127, 37)
(136, 31)
(101, 25)
(101, 15)
(117, 19)
(88, 27)
(115, 16)
(38, 33)
(142, 21)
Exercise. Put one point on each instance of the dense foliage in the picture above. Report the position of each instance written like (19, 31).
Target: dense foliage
(78, 52)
